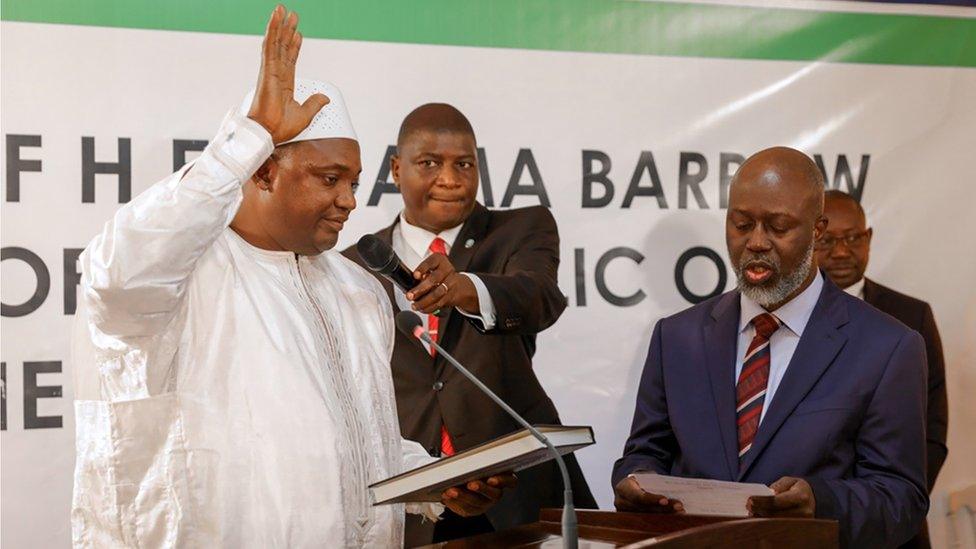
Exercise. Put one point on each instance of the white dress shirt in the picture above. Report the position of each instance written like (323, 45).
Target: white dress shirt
(793, 317)
(412, 244)
(856, 289)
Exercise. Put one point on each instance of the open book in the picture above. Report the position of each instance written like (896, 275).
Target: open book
(510, 453)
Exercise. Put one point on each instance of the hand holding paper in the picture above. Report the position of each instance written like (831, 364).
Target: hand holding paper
(630, 496)
(700, 496)
(793, 498)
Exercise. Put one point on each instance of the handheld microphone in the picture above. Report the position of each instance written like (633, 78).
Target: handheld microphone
(380, 258)
(410, 324)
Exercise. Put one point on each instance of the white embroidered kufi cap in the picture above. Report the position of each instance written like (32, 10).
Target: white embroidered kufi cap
(332, 121)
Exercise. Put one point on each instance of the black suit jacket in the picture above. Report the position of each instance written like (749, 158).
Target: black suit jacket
(917, 315)
(516, 254)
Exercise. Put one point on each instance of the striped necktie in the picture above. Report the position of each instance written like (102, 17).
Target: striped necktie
(750, 391)
(438, 246)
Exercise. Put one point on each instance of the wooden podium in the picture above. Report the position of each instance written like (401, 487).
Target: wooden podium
(604, 529)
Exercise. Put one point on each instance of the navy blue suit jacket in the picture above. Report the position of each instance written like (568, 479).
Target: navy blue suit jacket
(848, 416)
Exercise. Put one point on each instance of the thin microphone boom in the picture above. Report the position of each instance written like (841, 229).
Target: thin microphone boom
(411, 324)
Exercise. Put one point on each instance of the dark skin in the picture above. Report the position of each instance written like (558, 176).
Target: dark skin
(630, 497)
(775, 210)
(300, 197)
(845, 262)
(793, 498)
(476, 497)
(436, 170)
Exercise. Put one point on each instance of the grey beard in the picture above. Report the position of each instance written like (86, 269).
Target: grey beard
(786, 285)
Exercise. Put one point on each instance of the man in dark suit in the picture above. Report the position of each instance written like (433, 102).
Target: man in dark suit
(843, 253)
(499, 269)
(786, 381)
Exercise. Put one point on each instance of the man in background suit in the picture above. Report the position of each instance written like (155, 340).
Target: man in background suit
(499, 269)
(786, 381)
(843, 253)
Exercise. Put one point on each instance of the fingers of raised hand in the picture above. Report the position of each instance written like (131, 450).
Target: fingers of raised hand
(312, 106)
(287, 34)
(286, 28)
(294, 46)
(281, 39)
(270, 45)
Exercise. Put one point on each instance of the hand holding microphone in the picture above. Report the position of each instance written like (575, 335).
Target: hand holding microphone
(434, 286)
(441, 287)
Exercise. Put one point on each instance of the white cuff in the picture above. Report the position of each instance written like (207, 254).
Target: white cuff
(485, 304)
(431, 511)
(241, 145)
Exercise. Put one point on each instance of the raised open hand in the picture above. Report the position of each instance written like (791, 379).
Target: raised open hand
(274, 105)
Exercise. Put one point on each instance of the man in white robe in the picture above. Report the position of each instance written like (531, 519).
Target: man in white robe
(233, 381)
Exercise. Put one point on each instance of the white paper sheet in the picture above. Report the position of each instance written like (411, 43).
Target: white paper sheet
(703, 496)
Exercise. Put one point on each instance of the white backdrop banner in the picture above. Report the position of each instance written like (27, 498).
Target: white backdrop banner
(627, 119)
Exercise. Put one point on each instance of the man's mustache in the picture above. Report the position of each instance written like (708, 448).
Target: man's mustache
(768, 262)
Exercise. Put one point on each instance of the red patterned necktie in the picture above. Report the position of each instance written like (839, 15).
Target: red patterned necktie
(438, 246)
(750, 391)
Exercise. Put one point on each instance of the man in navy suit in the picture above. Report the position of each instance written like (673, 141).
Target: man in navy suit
(786, 381)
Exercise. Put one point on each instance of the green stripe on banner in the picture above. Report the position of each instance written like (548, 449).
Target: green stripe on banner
(609, 26)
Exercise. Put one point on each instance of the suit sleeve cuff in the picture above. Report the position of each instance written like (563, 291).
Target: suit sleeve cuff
(485, 304)
(827, 506)
(624, 469)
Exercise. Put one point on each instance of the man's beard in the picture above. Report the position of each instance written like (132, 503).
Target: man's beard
(786, 284)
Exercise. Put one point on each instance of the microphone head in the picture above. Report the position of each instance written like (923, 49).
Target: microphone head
(409, 323)
(376, 254)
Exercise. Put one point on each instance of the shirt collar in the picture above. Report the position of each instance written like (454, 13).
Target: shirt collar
(419, 239)
(794, 314)
(856, 289)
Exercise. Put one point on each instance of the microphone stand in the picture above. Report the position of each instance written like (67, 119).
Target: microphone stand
(570, 531)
